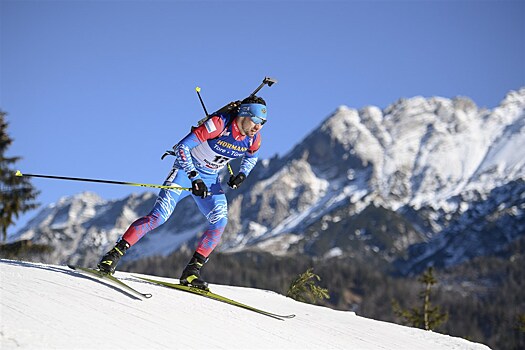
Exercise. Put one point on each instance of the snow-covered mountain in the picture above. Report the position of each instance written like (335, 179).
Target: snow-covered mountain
(424, 181)
(52, 307)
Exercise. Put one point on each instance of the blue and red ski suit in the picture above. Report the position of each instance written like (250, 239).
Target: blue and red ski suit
(206, 150)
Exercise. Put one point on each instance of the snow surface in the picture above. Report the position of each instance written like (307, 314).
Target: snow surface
(52, 307)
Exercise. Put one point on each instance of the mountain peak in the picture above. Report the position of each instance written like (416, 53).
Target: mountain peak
(85, 197)
(514, 97)
(426, 160)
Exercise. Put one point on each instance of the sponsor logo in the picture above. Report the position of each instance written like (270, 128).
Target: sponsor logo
(231, 146)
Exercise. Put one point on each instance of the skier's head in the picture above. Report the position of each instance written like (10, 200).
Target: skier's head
(253, 107)
(252, 113)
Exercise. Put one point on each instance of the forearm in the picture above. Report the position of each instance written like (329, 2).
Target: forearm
(247, 164)
(183, 153)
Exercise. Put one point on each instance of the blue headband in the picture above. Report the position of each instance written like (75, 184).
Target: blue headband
(253, 110)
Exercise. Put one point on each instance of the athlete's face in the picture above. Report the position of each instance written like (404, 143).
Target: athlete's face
(248, 127)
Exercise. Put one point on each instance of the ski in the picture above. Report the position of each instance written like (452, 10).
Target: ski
(111, 280)
(211, 295)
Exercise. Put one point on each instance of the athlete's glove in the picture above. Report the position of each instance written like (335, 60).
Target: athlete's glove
(199, 188)
(235, 181)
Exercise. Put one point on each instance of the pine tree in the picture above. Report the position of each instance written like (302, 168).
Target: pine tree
(303, 288)
(521, 323)
(426, 317)
(17, 195)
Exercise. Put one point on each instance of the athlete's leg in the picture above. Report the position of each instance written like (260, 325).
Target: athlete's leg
(215, 209)
(162, 210)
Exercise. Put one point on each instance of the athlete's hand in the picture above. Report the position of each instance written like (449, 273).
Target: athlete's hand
(199, 188)
(235, 181)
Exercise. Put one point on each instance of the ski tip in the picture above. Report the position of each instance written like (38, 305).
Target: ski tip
(18, 173)
(198, 89)
(282, 317)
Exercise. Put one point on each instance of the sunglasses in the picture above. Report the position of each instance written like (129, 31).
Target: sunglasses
(258, 120)
(256, 112)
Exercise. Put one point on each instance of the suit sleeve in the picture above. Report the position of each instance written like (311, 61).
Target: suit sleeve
(250, 158)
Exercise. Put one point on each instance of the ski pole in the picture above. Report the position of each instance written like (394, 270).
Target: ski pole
(19, 173)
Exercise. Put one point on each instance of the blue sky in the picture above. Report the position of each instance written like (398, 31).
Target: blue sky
(102, 88)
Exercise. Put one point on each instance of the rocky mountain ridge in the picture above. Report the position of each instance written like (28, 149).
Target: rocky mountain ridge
(400, 184)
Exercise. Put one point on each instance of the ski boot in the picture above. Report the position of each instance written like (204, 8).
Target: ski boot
(191, 274)
(109, 262)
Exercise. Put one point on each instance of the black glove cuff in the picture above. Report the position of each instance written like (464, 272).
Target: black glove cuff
(235, 181)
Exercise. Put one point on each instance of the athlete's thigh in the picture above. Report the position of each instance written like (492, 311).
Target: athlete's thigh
(167, 199)
(214, 208)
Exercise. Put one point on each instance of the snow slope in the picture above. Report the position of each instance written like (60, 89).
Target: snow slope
(51, 307)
